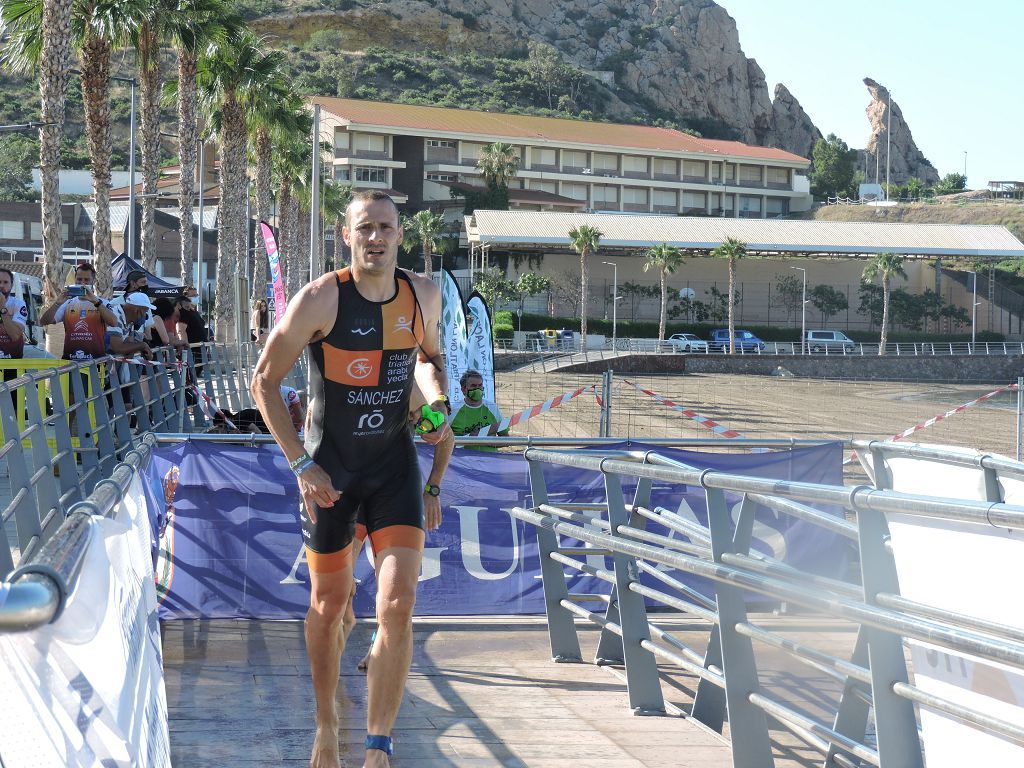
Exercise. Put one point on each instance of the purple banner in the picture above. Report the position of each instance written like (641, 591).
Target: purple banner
(230, 543)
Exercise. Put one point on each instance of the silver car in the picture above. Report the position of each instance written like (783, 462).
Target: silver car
(687, 342)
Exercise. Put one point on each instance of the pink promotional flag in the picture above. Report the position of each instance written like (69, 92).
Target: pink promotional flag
(280, 302)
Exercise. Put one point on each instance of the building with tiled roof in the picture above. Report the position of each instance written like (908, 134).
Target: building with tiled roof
(425, 154)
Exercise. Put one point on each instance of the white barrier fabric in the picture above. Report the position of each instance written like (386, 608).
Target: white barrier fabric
(973, 570)
(88, 690)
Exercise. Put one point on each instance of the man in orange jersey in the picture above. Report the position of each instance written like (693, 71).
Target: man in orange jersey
(371, 329)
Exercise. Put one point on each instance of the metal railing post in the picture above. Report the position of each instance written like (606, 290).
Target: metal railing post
(25, 517)
(748, 725)
(642, 681)
(851, 718)
(895, 722)
(1020, 415)
(47, 500)
(565, 644)
(709, 704)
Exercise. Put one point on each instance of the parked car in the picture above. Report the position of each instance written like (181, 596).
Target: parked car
(687, 342)
(745, 341)
(828, 341)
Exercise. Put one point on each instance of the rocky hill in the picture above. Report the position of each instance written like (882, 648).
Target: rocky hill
(891, 140)
(679, 60)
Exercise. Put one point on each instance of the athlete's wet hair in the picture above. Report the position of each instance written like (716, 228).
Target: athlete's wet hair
(369, 196)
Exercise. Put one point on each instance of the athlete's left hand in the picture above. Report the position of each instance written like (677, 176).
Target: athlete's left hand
(431, 511)
(435, 436)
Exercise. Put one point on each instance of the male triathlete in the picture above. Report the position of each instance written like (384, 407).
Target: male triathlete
(370, 328)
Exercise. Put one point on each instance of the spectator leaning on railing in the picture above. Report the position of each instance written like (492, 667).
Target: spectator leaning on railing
(13, 316)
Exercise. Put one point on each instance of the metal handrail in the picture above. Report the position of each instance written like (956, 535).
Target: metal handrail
(722, 554)
(37, 590)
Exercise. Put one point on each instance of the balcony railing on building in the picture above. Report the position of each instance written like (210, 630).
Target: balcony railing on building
(443, 155)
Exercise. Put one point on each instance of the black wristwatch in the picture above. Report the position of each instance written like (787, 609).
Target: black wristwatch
(433, 490)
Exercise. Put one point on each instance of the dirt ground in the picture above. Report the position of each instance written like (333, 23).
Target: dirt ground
(768, 407)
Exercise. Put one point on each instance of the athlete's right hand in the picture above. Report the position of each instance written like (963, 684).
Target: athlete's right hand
(317, 490)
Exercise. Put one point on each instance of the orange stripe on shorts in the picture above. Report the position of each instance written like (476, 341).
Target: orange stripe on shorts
(331, 562)
(408, 536)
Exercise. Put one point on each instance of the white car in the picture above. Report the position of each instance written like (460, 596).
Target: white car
(687, 342)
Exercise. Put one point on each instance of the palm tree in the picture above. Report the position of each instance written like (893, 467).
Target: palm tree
(52, 19)
(423, 229)
(147, 48)
(273, 112)
(888, 265)
(666, 259)
(97, 27)
(584, 239)
(192, 25)
(732, 249)
(292, 163)
(230, 73)
(498, 164)
(334, 202)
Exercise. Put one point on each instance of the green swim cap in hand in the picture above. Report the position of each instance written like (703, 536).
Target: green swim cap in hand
(429, 420)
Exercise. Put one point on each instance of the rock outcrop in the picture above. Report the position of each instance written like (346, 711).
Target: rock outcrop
(792, 129)
(905, 160)
(682, 55)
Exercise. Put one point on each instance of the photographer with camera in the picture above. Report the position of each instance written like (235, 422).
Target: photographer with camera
(85, 316)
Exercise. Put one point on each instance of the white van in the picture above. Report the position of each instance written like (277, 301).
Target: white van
(828, 341)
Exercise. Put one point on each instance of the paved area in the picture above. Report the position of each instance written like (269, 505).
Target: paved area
(481, 693)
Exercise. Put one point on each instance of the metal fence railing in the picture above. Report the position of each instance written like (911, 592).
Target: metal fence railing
(729, 686)
(550, 355)
(66, 425)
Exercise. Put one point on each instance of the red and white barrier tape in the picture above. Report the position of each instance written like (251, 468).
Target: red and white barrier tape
(536, 410)
(940, 417)
(704, 421)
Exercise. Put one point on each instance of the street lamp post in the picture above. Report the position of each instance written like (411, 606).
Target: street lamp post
(965, 169)
(130, 247)
(974, 308)
(615, 300)
(803, 310)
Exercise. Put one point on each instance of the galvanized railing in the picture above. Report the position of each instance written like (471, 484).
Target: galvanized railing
(729, 687)
(856, 349)
(65, 426)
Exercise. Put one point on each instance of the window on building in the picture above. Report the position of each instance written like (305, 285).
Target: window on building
(13, 230)
(341, 139)
(574, 191)
(696, 168)
(35, 230)
(471, 151)
(633, 164)
(373, 175)
(750, 173)
(342, 173)
(693, 199)
(605, 194)
(604, 162)
(370, 142)
(778, 176)
(441, 143)
(665, 198)
(433, 176)
(666, 167)
(544, 186)
(634, 196)
(776, 206)
(751, 204)
(574, 159)
(542, 156)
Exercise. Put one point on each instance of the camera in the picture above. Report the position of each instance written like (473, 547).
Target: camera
(76, 291)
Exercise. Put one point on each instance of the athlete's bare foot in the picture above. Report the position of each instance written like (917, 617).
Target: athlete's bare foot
(375, 758)
(364, 662)
(325, 747)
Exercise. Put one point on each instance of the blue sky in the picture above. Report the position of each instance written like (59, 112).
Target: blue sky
(954, 69)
